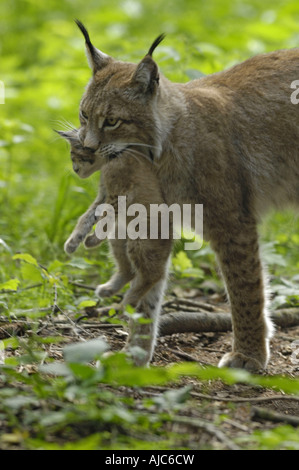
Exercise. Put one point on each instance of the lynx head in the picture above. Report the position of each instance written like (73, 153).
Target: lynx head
(118, 109)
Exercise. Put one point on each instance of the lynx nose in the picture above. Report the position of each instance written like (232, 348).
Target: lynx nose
(76, 167)
(91, 142)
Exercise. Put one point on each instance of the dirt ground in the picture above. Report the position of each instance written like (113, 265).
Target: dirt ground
(223, 416)
(232, 406)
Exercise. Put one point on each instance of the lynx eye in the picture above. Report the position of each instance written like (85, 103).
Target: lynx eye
(112, 123)
(84, 115)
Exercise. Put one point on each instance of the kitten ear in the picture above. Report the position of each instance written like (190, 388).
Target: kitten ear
(96, 59)
(147, 72)
(68, 135)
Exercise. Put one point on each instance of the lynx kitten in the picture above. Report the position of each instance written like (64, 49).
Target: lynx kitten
(228, 140)
(141, 261)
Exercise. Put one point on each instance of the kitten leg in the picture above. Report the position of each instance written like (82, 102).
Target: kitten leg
(125, 271)
(149, 259)
(146, 294)
(144, 335)
(83, 227)
(92, 240)
(238, 254)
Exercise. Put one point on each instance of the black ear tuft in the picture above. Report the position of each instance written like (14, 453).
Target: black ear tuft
(84, 32)
(96, 58)
(147, 73)
(89, 45)
(156, 44)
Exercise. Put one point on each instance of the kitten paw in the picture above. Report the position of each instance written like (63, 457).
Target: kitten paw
(138, 355)
(104, 290)
(73, 242)
(91, 241)
(70, 247)
(238, 360)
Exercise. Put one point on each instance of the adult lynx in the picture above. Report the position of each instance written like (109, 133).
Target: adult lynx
(228, 141)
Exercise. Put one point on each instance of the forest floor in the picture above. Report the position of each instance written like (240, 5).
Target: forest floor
(239, 409)
(216, 415)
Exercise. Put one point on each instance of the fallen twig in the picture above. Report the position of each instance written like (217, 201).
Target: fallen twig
(82, 286)
(191, 303)
(204, 396)
(265, 414)
(186, 356)
(208, 427)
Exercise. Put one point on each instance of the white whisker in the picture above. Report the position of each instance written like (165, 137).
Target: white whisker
(132, 155)
(66, 125)
(140, 154)
(137, 144)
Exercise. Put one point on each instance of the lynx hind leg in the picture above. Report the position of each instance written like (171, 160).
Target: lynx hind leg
(124, 272)
(242, 270)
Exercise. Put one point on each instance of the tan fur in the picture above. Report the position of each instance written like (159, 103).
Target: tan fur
(228, 141)
(141, 261)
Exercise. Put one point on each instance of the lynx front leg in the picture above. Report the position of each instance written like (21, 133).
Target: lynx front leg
(239, 259)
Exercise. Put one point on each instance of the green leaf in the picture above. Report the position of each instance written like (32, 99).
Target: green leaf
(87, 303)
(21, 401)
(12, 284)
(55, 266)
(82, 371)
(55, 368)
(173, 398)
(181, 262)
(85, 351)
(31, 273)
(26, 257)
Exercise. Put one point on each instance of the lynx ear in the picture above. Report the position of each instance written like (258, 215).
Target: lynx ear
(96, 59)
(147, 72)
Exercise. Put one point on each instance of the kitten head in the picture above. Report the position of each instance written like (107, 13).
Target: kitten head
(118, 109)
(84, 161)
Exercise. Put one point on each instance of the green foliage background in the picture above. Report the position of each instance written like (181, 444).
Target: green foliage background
(44, 70)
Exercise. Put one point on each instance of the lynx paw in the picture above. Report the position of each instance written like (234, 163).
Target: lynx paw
(239, 360)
